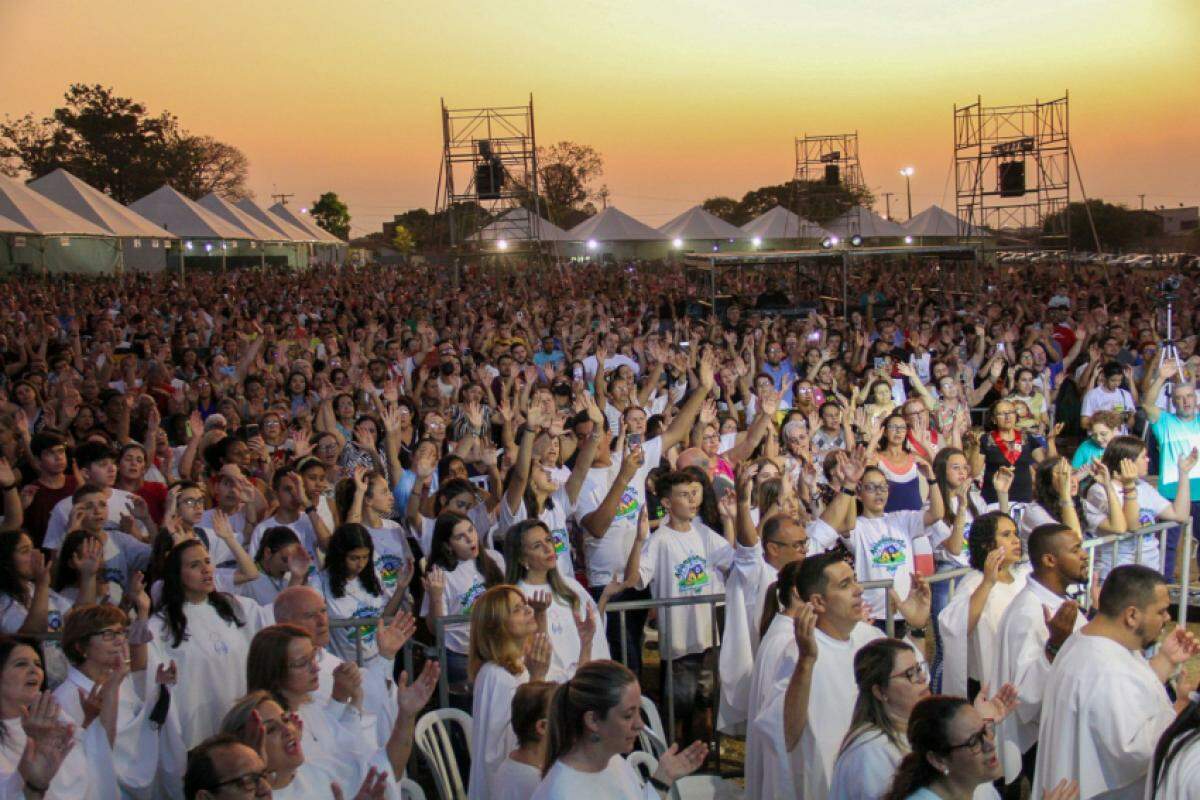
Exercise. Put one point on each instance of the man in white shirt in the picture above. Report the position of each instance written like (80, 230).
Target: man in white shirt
(126, 512)
(1105, 705)
(1039, 614)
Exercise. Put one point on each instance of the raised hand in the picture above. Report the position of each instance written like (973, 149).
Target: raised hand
(999, 706)
(391, 636)
(412, 698)
(1180, 645)
(917, 607)
(539, 602)
(434, 582)
(43, 756)
(586, 627)
(537, 656)
(1002, 480)
(88, 558)
(347, 683)
(993, 565)
(137, 595)
(1188, 461)
(804, 630)
(675, 763)
(374, 787)
(1062, 624)
(1063, 790)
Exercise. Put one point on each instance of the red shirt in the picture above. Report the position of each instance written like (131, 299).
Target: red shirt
(155, 495)
(37, 516)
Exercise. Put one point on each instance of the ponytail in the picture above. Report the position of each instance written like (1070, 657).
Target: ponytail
(780, 594)
(597, 687)
(928, 732)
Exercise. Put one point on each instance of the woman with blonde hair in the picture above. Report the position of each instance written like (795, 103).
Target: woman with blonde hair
(506, 651)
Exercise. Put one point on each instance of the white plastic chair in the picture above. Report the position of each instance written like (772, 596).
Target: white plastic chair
(432, 736)
(705, 787)
(652, 737)
(411, 790)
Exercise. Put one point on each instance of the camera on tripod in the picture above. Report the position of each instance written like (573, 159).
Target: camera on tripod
(1170, 284)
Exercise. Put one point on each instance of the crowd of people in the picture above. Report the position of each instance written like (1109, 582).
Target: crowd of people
(232, 504)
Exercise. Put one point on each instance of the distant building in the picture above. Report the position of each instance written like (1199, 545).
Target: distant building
(1178, 221)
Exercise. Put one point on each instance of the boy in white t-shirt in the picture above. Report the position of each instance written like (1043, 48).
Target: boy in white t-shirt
(684, 558)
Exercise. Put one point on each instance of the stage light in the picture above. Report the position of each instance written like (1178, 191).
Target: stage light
(592, 244)
(907, 172)
(677, 243)
(833, 240)
(827, 242)
(188, 245)
(208, 247)
(716, 248)
(304, 211)
(908, 240)
(502, 244)
(756, 241)
(856, 241)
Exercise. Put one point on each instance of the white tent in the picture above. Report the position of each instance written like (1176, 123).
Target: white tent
(938, 223)
(515, 224)
(40, 214)
(304, 222)
(235, 216)
(289, 231)
(780, 223)
(613, 225)
(696, 224)
(867, 224)
(9, 226)
(143, 244)
(55, 239)
(94, 205)
(185, 218)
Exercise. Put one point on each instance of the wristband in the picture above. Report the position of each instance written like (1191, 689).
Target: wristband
(657, 784)
(310, 509)
(850, 492)
(1052, 650)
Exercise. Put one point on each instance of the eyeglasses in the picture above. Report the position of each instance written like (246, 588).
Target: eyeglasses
(1006, 413)
(800, 545)
(916, 674)
(897, 429)
(986, 733)
(250, 781)
(190, 501)
(110, 634)
(873, 488)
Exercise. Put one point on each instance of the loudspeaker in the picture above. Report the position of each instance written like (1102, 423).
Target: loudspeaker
(489, 177)
(1011, 177)
(833, 175)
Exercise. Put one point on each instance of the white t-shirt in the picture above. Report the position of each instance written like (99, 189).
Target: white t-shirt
(1100, 399)
(355, 603)
(555, 516)
(1150, 505)
(464, 585)
(119, 504)
(492, 737)
(12, 617)
(883, 548)
(685, 564)
(607, 556)
(302, 527)
(515, 781)
(617, 781)
(565, 647)
(392, 552)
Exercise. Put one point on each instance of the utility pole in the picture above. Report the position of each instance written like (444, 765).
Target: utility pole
(282, 198)
(887, 198)
(1142, 201)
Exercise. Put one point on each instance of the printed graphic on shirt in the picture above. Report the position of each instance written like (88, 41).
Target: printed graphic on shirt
(559, 537)
(1146, 517)
(53, 621)
(112, 575)
(628, 507)
(691, 574)
(888, 553)
(389, 567)
(467, 601)
(367, 632)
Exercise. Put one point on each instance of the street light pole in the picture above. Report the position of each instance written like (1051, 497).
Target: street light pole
(887, 198)
(907, 172)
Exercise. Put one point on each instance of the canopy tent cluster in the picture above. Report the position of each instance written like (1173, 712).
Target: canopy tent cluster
(58, 223)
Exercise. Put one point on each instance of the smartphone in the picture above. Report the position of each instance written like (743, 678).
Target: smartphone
(1000, 347)
(815, 336)
(251, 430)
(577, 373)
(880, 363)
(684, 345)
(633, 440)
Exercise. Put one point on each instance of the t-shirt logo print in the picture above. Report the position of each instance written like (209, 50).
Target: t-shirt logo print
(467, 601)
(388, 566)
(691, 574)
(629, 506)
(367, 632)
(888, 553)
(560, 540)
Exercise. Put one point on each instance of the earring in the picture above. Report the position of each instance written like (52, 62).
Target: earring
(946, 771)
(594, 738)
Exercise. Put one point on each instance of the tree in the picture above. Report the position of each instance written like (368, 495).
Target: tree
(812, 200)
(114, 144)
(726, 208)
(566, 171)
(331, 214)
(1117, 226)
(403, 241)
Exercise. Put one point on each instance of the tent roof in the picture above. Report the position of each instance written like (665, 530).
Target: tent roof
(39, 214)
(289, 231)
(304, 222)
(514, 221)
(613, 225)
(185, 217)
(938, 222)
(698, 224)
(780, 223)
(865, 223)
(238, 218)
(95, 206)
(9, 226)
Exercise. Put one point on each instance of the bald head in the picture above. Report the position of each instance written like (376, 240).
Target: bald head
(304, 607)
(692, 457)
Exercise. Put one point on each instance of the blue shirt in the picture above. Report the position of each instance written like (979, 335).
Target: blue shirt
(1176, 438)
(779, 372)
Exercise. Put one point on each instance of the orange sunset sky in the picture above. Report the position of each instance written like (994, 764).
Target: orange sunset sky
(685, 100)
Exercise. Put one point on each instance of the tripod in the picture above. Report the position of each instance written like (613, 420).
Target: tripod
(1169, 350)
